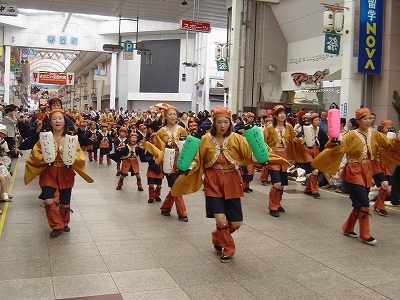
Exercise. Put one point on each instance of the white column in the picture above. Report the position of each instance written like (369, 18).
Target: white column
(351, 86)
(7, 56)
(235, 100)
(98, 85)
(206, 87)
(113, 76)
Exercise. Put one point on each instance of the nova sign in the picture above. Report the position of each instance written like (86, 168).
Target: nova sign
(370, 38)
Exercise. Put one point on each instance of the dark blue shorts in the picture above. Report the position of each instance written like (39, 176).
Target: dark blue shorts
(380, 177)
(156, 181)
(278, 176)
(48, 193)
(231, 208)
(358, 195)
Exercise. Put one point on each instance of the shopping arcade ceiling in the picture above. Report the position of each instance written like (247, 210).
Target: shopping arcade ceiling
(296, 26)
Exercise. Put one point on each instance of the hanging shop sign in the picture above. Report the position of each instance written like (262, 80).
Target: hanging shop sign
(59, 78)
(8, 10)
(222, 66)
(192, 25)
(332, 43)
(370, 37)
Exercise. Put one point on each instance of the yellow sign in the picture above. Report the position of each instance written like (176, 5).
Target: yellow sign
(1, 51)
(12, 59)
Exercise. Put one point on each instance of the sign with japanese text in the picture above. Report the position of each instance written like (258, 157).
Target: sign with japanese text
(195, 26)
(58, 78)
(332, 43)
(222, 66)
(8, 10)
(370, 37)
(299, 78)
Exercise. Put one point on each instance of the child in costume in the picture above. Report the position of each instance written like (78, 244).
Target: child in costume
(93, 134)
(105, 144)
(119, 142)
(55, 175)
(154, 173)
(130, 162)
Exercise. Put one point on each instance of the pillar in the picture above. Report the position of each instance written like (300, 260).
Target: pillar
(352, 83)
(235, 100)
(113, 81)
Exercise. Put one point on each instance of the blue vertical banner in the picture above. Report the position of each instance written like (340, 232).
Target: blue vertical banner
(371, 36)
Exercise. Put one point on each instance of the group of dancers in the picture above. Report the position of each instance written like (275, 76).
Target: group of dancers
(217, 164)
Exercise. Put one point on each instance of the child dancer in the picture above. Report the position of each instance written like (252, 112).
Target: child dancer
(129, 160)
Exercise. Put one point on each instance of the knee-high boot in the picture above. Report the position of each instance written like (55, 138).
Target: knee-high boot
(90, 155)
(226, 241)
(348, 226)
(53, 216)
(363, 216)
(312, 184)
(139, 184)
(151, 194)
(65, 213)
(275, 197)
(118, 169)
(157, 193)
(108, 160)
(120, 183)
(380, 200)
(264, 175)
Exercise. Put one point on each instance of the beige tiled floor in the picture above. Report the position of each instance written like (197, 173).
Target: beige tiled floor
(120, 244)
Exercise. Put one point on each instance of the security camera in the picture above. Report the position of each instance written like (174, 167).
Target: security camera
(112, 48)
(184, 2)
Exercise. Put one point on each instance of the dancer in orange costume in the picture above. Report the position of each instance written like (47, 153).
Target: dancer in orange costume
(168, 137)
(220, 154)
(359, 145)
(281, 137)
(56, 176)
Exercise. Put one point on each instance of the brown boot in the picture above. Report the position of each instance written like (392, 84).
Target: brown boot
(54, 219)
(139, 184)
(274, 197)
(379, 205)
(65, 213)
(365, 235)
(157, 193)
(227, 243)
(215, 241)
(348, 226)
(120, 183)
(151, 195)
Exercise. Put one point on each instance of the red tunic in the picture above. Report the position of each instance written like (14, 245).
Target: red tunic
(222, 180)
(57, 176)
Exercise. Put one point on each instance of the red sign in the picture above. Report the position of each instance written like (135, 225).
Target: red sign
(299, 78)
(58, 78)
(195, 26)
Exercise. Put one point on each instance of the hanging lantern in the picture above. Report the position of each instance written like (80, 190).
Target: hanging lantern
(328, 20)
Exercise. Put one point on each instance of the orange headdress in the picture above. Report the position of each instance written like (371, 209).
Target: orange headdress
(221, 111)
(362, 112)
(278, 107)
(387, 123)
(313, 116)
(56, 110)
